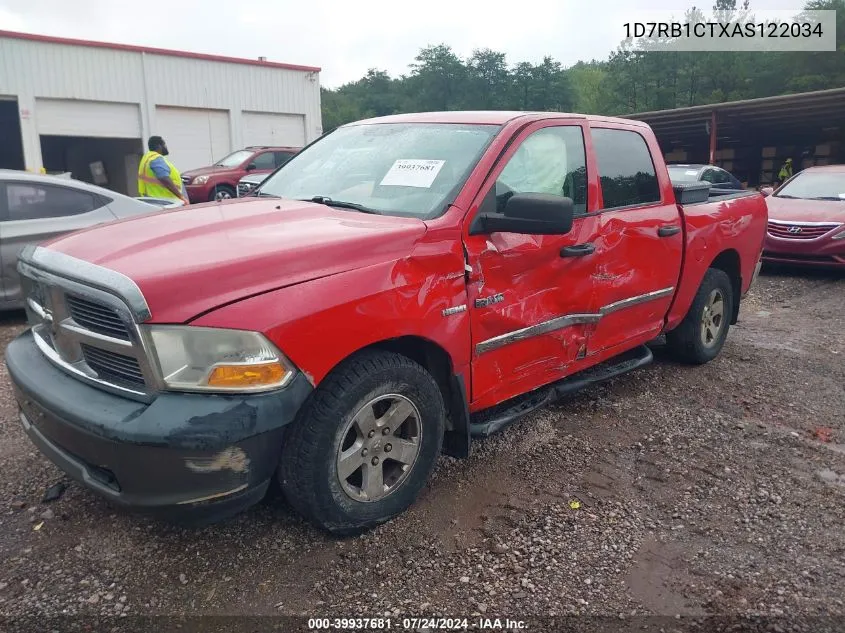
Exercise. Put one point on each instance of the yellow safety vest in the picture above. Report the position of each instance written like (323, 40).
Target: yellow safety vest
(149, 185)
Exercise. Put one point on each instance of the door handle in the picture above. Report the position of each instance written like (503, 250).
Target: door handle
(667, 231)
(579, 250)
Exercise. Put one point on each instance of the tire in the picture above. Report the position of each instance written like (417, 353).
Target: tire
(338, 428)
(223, 192)
(700, 336)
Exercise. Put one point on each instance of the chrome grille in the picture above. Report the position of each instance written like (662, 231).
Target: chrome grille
(244, 188)
(799, 230)
(113, 367)
(96, 317)
(87, 332)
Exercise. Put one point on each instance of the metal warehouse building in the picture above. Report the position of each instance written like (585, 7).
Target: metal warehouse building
(67, 105)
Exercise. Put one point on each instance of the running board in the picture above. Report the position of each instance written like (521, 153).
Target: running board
(496, 418)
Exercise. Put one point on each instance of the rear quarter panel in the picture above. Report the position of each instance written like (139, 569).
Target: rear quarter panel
(732, 223)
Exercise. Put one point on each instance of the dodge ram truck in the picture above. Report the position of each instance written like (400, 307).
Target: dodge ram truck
(402, 286)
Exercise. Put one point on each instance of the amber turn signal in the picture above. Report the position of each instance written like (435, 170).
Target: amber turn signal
(258, 375)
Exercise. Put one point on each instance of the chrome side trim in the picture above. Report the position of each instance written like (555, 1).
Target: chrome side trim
(78, 270)
(633, 301)
(536, 330)
(568, 320)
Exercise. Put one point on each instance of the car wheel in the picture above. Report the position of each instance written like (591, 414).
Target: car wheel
(700, 336)
(364, 444)
(222, 192)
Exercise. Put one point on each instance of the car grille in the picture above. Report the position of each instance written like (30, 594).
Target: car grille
(244, 188)
(799, 230)
(97, 318)
(88, 333)
(114, 367)
(186, 180)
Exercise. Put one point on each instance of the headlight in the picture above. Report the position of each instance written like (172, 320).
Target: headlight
(840, 235)
(199, 180)
(212, 359)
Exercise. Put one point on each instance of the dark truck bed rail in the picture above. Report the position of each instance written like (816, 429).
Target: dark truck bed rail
(689, 193)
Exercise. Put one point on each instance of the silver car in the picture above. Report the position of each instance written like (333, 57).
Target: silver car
(35, 208)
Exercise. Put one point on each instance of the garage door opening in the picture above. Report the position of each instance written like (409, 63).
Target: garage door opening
(108, 162)
(11, 149)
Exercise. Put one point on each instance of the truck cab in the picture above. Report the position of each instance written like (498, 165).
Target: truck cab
(400, 287)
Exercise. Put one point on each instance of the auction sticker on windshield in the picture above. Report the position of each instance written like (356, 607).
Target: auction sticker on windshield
(408, 172)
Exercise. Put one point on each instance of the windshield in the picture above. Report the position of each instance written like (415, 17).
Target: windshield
(407, 169)
(234, 159)
(683, 173)
(810, 185)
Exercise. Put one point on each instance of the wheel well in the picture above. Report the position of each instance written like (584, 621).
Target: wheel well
(728, 262)
(428, 354)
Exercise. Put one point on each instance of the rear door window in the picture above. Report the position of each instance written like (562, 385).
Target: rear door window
(264, 161)
(35, 201)
(626, 170)
(282, 157)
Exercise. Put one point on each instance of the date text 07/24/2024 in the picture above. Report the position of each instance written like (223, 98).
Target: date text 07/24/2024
(415, 624)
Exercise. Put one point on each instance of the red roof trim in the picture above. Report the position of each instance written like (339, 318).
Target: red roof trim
(32, 37)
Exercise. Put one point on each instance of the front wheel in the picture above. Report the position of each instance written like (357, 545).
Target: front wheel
(222, 192)
(700, 336)
(364, 444)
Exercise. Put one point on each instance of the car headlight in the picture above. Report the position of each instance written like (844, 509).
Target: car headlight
(200, 180)
(840, 235)
(213, 359)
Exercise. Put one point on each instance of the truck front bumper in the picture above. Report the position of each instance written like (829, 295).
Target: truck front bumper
(188, 457)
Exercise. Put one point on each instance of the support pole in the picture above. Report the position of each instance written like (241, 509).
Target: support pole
(713, 137)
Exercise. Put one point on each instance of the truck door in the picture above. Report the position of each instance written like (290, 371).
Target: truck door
(641, 236)
(528, 294)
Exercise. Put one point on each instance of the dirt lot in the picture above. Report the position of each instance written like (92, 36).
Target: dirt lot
(710, 490)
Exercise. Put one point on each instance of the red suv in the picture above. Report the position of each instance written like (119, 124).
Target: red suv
(220, 180)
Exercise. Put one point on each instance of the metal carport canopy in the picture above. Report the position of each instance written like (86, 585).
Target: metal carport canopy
(802, 118)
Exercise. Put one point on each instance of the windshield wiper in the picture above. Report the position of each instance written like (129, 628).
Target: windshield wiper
(262, 194)
(782, 195)
(835, 198)
(340, 204)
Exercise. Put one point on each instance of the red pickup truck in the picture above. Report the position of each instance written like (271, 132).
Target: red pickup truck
(402, 285)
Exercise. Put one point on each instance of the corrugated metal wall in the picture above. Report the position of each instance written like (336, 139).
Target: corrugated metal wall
(30, 70)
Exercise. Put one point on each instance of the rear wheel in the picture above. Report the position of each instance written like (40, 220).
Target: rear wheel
(700, 336)
(223, 192)
(364, 444)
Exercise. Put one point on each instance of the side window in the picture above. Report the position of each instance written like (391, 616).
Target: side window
(282, 157)
(625, 168)
(721, 177)
(551, 160)
(33, 201)
(264, 161)
(707, 176)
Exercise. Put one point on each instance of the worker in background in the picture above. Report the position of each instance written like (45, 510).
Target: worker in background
(157, 176)
(785, 172)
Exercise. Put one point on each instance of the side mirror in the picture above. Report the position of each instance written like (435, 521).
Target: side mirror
(529, 214)
(251, 167)
(767, 191)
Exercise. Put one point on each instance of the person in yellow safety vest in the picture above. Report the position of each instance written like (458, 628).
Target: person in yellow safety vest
(157, 177)
(785, 172)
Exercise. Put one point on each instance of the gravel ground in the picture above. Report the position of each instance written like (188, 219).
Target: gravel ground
(672, 491)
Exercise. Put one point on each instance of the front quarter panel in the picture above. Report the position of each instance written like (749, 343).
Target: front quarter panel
(319, 323)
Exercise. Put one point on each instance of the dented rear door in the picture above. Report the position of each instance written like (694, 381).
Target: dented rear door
(529, 302)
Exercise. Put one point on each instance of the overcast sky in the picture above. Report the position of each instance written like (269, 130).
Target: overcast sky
(347, 38)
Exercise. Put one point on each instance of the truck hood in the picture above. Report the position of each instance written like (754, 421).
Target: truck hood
(193, 259)
(799, 210)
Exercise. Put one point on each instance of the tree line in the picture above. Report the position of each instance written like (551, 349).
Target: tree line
(632, 79)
